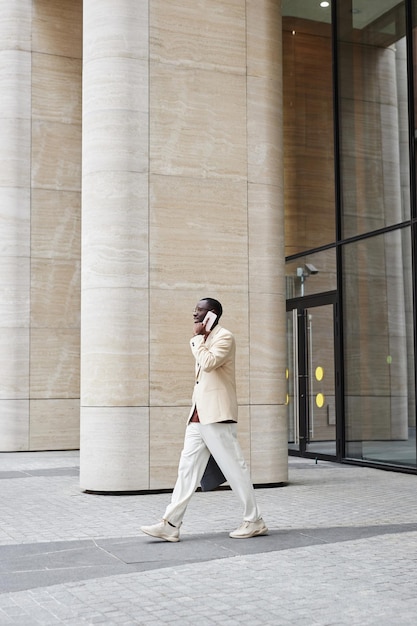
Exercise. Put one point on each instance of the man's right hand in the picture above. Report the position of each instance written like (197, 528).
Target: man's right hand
(199, 328)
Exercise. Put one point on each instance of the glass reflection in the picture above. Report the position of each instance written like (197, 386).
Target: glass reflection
(312, 273)
(378, 349)
(373, 110)
(321, 410)
(308, 126)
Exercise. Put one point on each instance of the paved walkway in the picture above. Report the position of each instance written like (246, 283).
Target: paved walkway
(342, 550)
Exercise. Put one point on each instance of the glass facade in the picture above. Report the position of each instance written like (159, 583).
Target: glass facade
(373, 114)
(308, 128)
(378, 349)
(349, 108)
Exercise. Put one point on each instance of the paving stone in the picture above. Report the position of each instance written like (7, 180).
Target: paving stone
(342, 551)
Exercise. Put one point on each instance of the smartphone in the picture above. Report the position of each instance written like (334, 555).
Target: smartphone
(209, 320)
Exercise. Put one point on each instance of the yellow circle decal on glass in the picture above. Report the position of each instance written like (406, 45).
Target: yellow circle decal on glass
(287, 373)
(320, 400)
(319, 373)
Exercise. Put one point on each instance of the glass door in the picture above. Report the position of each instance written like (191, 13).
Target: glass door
(311, 378)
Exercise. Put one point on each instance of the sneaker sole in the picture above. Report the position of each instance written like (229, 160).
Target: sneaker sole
(256, 533)
(164, 538)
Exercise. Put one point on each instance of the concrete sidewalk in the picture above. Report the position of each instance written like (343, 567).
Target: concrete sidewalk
(342, 550)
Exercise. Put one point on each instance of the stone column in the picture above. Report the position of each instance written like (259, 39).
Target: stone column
(217, 217)
(266, 296)
(114, 302)
(15, 124)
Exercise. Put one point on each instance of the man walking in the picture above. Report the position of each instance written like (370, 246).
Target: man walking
(211, 429)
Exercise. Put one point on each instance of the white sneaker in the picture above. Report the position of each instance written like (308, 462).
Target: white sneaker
(249, 529)
(162, 530)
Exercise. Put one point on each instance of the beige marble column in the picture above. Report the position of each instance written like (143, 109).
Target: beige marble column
(217, 217)
(266, 297)
(114, 302)
(15, 125)
(215, 229)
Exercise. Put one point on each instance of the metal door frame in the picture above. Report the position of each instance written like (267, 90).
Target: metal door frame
(299, 306)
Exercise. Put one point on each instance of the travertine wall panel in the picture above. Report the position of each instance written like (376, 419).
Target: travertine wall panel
(197, 123)
(14, 364)
(55, 293)
(57, 27)
(56, 92)
(15, 124)
(184, 33)
(198, 233)
(54, 424)
(54, 363)
(55, 223)
(52, 166)
(14, 424)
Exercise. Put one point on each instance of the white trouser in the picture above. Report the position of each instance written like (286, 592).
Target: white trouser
(221, 440)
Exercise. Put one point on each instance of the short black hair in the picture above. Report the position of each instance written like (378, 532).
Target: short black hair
(214, 304)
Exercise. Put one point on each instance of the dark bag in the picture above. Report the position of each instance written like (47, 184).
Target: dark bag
(213, 476)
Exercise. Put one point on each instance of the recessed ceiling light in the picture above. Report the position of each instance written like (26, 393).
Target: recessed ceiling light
(324, 4)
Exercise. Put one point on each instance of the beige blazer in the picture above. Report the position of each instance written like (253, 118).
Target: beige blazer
(214, 392)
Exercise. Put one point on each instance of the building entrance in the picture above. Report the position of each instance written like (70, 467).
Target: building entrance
(312, 376)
